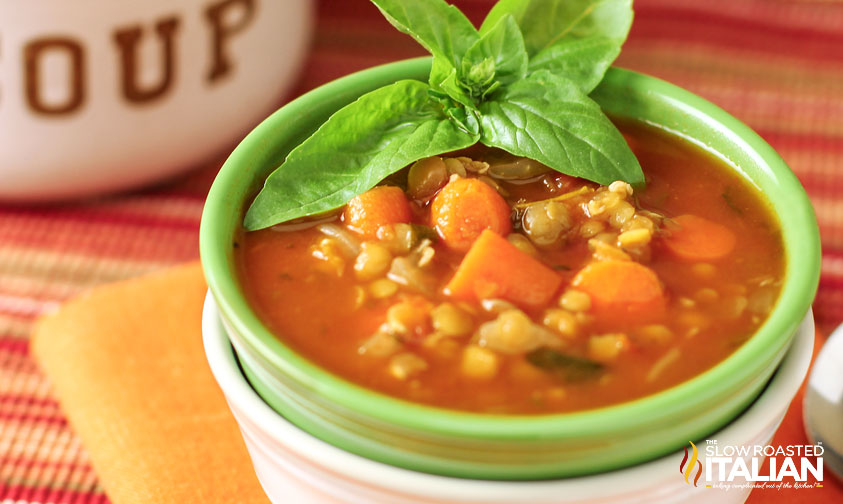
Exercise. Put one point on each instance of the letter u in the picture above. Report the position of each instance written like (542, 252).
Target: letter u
(127, 41)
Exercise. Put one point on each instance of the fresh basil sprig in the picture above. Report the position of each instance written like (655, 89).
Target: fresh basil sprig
(357, 147)
(547, 118)
(520, 83)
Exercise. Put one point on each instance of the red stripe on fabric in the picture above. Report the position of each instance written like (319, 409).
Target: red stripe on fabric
(28, 400)
(351, 11)
(777, 23)
(23, 412)
(759, 98)
(42, 464)
(828, 307)
(31, 419)
(70, 237)
(816, 183)
(833, 254)
(96, 215)
(777, 15)
(169, 193)
(722, 31)
(15, 346)
(832, 282)
(181, 248)
(802, 141)
(14, 493)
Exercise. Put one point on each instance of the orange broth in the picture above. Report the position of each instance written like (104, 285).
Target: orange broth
(316, 312)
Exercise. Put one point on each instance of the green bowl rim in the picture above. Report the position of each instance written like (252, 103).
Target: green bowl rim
(801, 241)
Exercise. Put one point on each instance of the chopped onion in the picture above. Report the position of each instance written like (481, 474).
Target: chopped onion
(348, 243)
(666, 360)
(299, 224)
(404, 271)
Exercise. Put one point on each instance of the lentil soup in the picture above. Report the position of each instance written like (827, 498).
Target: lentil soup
(478, 281)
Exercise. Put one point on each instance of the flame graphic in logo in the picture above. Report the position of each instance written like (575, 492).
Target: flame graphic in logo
(690, 467)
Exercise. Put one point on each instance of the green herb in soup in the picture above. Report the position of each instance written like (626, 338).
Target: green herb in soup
(482, 281)
(519, 84)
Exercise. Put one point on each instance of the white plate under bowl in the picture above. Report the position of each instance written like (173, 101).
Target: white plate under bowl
(295, 467)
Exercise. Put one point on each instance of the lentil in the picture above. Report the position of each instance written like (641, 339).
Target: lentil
(373, 261)
(480, 363)
(405, 365)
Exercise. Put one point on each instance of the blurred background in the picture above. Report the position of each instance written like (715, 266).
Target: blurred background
(775, 64)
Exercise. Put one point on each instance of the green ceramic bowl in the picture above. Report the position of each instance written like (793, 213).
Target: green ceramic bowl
(495, 446)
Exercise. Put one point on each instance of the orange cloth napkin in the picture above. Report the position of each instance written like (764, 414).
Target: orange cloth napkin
(127, 364)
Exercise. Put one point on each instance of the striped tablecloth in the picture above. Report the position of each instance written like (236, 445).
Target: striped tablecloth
(775, 64)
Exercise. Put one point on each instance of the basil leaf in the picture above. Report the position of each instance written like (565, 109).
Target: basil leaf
(503, 46)
(450, 85)
(365, 141)
(497, 58)
(440, 71)
(441, 28)
(583, 61)
(567, 367)
(545, 23)
(549, 119)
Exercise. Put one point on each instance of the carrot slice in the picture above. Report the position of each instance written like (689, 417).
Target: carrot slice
(464, 208)
(496, 269)
(700, 239)
(379, 206)
(622, 292)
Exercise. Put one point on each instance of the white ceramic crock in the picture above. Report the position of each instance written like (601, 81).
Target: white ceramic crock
(103, 95)
(294, 467)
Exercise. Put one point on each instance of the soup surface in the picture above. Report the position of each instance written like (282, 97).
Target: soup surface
(482, 282)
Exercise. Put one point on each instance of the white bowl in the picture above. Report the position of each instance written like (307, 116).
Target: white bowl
(88, 103)
(293, 466)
